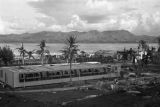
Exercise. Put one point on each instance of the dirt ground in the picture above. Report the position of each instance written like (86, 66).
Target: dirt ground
(43, 99)
(118, 100)
(11, 100)
(149, 97)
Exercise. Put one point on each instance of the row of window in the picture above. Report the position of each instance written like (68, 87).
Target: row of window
(26, 77)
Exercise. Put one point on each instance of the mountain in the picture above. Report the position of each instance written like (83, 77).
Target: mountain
(94, 36)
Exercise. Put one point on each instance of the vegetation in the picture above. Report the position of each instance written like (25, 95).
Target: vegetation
(156, 56)
(30, 54)
(22, 52)
(6, 55)
(158, 39)
(70, 50)
(65, 54)
(83, 57)
(70, 54)
(42, 50)
(143, 45)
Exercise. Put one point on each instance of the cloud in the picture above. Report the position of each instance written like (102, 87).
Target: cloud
(17, 25)
(93, 18)
(35, 0)
(118, 0)
(2, 26)
(137, 16)
(7, 27)
(149, 23)
(100, 4)
(76, 23)
(57, 28)
(128, 9)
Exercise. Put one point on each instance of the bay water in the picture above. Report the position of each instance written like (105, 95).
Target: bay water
(55, 48)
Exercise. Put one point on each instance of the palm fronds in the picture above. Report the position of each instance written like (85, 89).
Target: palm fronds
(22, 52)
(42, 50)
(142, 45)
(30, 54)
(70, 50)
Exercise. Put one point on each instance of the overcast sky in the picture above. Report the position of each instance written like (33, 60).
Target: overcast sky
(138, 16)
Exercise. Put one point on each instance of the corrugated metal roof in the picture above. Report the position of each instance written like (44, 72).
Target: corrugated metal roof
(40, 68)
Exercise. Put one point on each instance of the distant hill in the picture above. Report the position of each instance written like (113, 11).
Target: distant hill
(94, 36)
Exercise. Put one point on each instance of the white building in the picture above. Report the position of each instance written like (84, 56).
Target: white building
(23, 76)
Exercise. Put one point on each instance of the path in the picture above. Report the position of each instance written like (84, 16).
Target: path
(46, 90)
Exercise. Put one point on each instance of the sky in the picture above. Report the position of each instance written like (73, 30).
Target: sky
(141, 17)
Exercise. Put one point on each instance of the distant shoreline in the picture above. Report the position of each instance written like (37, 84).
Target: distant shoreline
(80, 42)
(87, 47)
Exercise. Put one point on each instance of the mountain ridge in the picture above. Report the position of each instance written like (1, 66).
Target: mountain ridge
(93, 36)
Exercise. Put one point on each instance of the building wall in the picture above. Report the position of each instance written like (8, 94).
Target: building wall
(13, 78)
(7, 77)
(43, 82)
(17, 83)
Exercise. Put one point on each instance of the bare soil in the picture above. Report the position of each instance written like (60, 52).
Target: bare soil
(149, 97)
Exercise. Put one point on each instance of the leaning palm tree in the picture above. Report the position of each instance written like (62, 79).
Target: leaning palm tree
(22, 52)
(42, 50)
(70, 51)
(30, 54)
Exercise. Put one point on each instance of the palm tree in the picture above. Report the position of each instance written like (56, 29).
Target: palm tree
(70, 51)
(30, 54)
(158, 39)
(42, 50)
(142, 45)
(22, 52)
(144, 48)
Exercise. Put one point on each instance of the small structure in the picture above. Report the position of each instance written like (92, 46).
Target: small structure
(32, 75)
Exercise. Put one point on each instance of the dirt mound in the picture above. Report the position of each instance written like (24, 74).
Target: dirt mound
(10, 100)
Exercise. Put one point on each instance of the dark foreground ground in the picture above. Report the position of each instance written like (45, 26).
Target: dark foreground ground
(11, 100)
(148, 98)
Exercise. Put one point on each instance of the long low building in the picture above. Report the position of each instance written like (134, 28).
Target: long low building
(22, 76)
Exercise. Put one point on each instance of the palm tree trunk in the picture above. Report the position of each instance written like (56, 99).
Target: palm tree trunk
(70, 66)
(23, 59)
(42, 59)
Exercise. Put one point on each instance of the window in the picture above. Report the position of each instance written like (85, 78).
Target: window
(20, 75)
(116, 68)
(72, 72)
(104, 69)
(66, 72)
(75, 71)
(58, 73)
(96, 70)
(1, 73)
(53, 74)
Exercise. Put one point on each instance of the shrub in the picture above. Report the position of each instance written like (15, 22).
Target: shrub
(6, 55)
